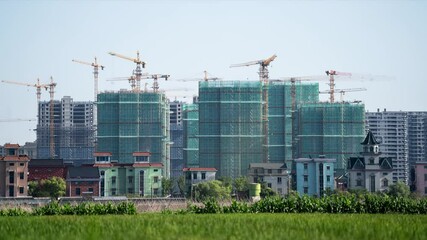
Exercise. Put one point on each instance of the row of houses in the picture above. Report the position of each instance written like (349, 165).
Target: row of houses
(142, 178)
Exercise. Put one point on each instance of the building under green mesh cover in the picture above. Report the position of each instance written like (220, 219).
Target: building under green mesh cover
(230, 126)
(331, 129)
(131, 122)
(191, 132)
(280, 116)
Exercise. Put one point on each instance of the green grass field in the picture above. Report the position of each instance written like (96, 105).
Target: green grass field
(217, 226)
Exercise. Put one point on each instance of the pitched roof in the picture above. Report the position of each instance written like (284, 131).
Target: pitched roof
(141, 154)
(82, 172)
(199, 169)
(46, 163)
(142, 164)
(268, 165)
(102, 154)
(386, 163)
(356, 163)
(370, 139)
(11, 145)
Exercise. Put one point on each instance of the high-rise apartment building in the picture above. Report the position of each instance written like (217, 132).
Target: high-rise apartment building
(403, 137)
(191, 132)
(130, 122)
(73, 130)
(177, 139)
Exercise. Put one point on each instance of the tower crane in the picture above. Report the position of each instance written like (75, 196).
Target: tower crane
(138, 71)
(263, 77)
(51, 86)
(343, 91)
(155, 78)
(37, 85)
(132, 79)
(205, 78)
(96, 67)
(332, 74)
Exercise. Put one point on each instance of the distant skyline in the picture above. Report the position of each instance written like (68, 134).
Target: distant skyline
(184, 38)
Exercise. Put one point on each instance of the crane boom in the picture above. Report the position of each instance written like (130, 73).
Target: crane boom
(135, 60)
(20, 83)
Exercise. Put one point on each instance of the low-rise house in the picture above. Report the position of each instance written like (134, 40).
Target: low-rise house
(275, 175)
(40, 169)
(314, 176)
(197, 175)
(421, 178)
(83, 181)
(13, 172)
(370, 171)
(140, 178)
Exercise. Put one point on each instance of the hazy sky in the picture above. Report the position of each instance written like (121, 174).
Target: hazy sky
(38, 39)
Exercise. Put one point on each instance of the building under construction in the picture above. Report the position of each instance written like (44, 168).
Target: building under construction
(130, 121)
(191, 132)
(283, 98)
(73, 131)
(331, 129)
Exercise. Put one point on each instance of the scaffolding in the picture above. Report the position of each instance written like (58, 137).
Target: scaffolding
(191, 132)
(74, 132)
(230, 126)
(282, 119)
(331, 129)
(132, 122)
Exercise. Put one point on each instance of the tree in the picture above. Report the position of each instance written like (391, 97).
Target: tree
(400, 189)
(211, 189)
(181, 185)
(266, 191)
(241, 186)
(166, 186)
(52, 187)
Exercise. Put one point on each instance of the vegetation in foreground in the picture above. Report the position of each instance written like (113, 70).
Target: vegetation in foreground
(217, 226)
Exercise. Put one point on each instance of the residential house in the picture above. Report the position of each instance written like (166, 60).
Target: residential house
(421, 178)
(197, 175)
(83, 181)
(314, 175)
(13, 172)
(40, 169)
(275, 175)
(370, 171)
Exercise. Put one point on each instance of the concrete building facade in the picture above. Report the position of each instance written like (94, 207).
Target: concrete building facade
(314, 175)
(13, 172)
(74, 131)
(421, 178)
(140, 178)
(275, 175)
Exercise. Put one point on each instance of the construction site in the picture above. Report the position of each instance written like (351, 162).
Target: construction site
(233, 123)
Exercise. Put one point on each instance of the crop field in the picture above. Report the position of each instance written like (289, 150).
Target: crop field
(217, 226)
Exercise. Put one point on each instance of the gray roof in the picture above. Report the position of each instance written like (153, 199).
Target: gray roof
(46, 163)
(370, 139)
(268, 165)
(84, 172)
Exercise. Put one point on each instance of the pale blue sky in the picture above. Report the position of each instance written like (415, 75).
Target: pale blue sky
(183, 38)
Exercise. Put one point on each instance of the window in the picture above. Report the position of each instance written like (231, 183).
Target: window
(359, 182)
(359, 174)
(156, 179)
(279, 180)
(385, 183)
(21, 164)
(269, 171)
(130, 179)
(194, 176)
(371, 161)
(77, 191)
(11, 164)
(11, 177)
(328, 178)
(11, 191)
(130, 190)
(328, 167)
(90, 190)
(279, 190)
(305, 178)
(425, 177)
(156, 170)
(203, 176)
(21, 190)
(425, 190)
(269, 185)
(113, 180)
(102, 173)
(21, 175)
(385, 174)
(113, 191)
(141, 159)
(305, 166)
(156, 191)
(306, 190)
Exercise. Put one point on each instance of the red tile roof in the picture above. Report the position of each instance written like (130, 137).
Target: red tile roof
(10, 145)
(143, 154)
(199, 169)
(103, 165)
(102, 154)
(147, 165)
(15, 158)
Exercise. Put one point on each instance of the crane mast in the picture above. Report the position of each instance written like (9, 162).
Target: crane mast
(138, 70)
(332, 74)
